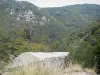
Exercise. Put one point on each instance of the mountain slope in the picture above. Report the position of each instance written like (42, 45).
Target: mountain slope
(86, 43)
(76, 15)
(26, 27)
(21, 15)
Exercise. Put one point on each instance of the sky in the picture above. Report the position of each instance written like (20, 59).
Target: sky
(59, 3)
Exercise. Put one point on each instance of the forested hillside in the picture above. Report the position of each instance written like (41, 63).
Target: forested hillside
(25, 27)
(75, 16)
(84, 45)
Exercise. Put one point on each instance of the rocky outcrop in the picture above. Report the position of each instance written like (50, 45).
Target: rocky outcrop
(52, 59)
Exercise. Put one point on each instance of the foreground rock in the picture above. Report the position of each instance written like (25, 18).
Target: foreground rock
(51, 59)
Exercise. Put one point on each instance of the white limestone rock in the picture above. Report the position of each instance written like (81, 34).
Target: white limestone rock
(50, 59)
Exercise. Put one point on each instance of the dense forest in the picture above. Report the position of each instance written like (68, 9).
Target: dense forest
(25, 27)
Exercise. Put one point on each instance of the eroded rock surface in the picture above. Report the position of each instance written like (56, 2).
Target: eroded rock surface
(51, 59)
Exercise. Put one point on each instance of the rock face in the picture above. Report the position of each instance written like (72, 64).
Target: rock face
(51, 59)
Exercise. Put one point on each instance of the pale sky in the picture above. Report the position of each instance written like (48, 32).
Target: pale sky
(58, 3)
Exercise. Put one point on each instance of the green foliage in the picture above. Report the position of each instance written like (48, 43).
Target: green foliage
(85, 45)
(83, 53)
(63, 30)
(75, 16)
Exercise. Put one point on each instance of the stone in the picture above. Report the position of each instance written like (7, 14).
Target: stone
(50, 59)
(0, 73)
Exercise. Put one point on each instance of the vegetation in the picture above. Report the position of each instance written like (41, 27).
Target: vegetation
(25, 27)
(75, 16)
(39, 70)
(85, 44)
(33, 70)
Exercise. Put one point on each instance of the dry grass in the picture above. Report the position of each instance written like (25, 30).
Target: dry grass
(72, 68)
(37, 70)
(33, 70)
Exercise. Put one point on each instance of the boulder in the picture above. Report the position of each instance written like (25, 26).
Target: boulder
(50, 59)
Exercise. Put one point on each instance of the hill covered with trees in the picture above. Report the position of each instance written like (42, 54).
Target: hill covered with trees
(75, 16)
(25, 27)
